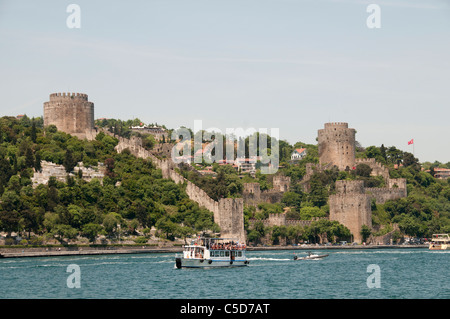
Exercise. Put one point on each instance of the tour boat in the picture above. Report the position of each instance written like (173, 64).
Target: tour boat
(440, 242)
(211, 253)
(310, 256)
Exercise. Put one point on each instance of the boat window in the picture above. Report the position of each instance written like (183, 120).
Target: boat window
(239, 253)
(227, 254)
(222, 253)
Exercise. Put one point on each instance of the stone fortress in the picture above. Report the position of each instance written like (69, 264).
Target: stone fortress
(337, 145)
(351, 205)
(71, 113)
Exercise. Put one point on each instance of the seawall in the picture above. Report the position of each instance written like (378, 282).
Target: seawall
(113, 250)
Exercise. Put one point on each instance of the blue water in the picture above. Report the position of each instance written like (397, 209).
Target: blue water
(403, 274)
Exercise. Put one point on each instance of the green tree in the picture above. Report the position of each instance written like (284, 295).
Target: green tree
(365, 232)
(148, 142)
(111, 223)
(410, 160)
(91, 231)
(33, 133)
(31, 220)
(292, 199)
(69, 161)
(166, 226)
(257, 232)
(318, 194)
(64, 232)
(307, 213)
(363, 170)
(9, 221)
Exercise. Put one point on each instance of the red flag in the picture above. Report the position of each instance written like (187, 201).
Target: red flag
(411, 142)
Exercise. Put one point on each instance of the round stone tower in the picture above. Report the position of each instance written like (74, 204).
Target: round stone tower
(71, 113)
(337, 145)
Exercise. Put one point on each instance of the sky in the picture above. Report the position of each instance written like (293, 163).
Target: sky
(287, 64)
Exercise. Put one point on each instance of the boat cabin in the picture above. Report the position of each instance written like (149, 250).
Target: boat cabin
(206, 248)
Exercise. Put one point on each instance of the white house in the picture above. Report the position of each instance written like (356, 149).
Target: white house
(298, 154)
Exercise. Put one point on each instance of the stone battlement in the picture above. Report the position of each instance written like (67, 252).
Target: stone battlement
(58, 96)
(365, 161)
(333, 125)
(349, 187)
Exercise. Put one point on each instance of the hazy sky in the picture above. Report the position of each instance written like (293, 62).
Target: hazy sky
(287, 64)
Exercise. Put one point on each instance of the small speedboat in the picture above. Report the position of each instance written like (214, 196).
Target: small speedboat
(310, 256)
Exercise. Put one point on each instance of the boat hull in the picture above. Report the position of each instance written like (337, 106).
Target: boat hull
(439, 247)
(181, 262)
(310, 257)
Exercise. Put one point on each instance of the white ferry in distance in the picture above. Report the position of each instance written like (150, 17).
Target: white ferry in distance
(211, 253)
(440, 242)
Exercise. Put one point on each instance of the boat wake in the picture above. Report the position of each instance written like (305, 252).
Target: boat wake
(265, 258)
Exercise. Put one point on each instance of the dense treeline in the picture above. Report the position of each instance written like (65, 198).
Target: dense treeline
(133, 195)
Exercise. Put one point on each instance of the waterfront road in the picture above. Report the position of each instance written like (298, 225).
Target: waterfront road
(107, 250)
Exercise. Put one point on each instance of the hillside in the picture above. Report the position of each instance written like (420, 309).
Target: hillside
(424, 211)
(132, 195)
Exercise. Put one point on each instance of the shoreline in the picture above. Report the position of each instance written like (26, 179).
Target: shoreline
(114, 250)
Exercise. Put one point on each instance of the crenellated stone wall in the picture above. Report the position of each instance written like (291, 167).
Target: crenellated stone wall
(281, 220)
(253, 195)
(228, 212)
(378, 169)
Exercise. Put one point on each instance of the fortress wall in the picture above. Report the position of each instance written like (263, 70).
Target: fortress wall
(271, 196)
(378, 169)
(381, 195)
(231, 218)
(351, 207)
(253, 195)
(228, 212)
(397, 183)
(351, 210)
(283, 221)
(281, 183)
